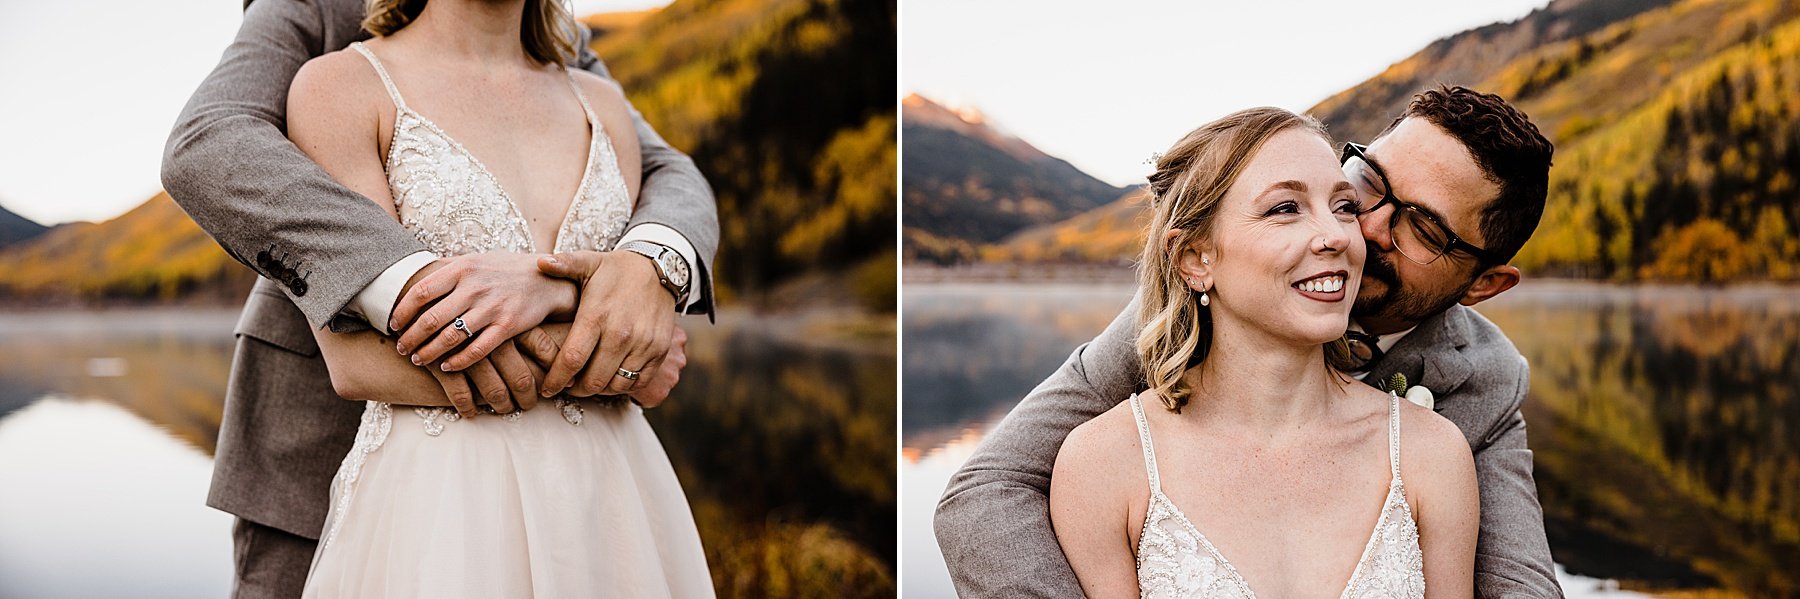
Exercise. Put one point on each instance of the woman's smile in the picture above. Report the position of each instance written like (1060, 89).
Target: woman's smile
(1325, 287)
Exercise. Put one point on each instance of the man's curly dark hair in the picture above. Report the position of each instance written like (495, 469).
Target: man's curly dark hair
(1508, 148)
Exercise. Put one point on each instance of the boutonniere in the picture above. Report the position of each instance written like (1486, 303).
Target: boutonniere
(1417, 394)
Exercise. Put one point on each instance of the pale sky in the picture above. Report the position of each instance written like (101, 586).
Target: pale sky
(1105, 84)
(91, 89)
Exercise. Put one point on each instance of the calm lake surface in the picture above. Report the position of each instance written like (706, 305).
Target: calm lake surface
(1665, 421)
(781, 430)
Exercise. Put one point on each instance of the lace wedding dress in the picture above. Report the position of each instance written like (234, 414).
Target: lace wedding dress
(1175, 561)
(569, 499)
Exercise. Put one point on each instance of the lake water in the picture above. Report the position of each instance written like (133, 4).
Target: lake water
(782, 432)
(1665, 421)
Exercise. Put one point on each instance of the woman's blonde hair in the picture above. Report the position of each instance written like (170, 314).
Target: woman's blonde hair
(548, 32)
(1184, 194)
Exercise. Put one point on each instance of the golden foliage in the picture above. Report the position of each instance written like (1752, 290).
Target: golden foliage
(1705, 251)
(787, 108)
(153, 252)
(1708, 160)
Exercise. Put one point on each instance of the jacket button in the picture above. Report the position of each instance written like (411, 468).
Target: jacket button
(262, 259)
(298, 286)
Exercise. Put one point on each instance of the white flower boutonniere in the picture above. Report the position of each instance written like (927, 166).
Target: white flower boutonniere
(1422, 396)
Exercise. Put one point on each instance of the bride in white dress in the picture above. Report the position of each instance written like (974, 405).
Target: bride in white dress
(1266, 470)
(571, 499)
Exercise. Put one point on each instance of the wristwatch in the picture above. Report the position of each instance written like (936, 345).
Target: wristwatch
(671, 268)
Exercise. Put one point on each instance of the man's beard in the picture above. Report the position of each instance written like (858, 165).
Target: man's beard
(1395, 303)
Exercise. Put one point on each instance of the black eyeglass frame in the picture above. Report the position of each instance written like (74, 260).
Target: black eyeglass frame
(1453, 241)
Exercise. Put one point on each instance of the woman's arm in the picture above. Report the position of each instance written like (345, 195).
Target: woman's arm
(1440, 475)
(332, 117)
(1089, 508)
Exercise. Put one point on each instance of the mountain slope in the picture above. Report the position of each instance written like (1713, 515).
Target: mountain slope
(1358, 113)
(966, 183)
(152, 252)
(15, 229)
(1110, 234)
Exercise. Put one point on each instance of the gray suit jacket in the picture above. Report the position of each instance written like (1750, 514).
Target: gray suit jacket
(317, 244)
(993, 523)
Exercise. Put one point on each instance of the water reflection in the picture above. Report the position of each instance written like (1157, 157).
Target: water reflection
(784, 443)
(1667, 431)
(1664, 419)
(79, 518)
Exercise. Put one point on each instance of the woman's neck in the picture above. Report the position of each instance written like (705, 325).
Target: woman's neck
(478, 31)
(1261, 384)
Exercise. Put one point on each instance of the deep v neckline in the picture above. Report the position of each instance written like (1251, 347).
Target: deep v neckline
(1237, 577)
(1395, 487)
(587, 165)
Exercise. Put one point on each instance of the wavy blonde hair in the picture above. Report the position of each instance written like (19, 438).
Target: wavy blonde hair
(548, 32)
(1185, 193)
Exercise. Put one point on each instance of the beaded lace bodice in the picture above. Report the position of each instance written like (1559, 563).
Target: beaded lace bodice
(1175, 561)
(455, 205)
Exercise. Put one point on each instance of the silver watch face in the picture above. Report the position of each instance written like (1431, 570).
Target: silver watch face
(675, 268)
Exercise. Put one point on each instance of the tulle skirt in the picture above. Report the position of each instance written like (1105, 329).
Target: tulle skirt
(497, 506)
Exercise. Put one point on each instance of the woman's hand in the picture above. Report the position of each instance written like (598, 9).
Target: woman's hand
(497, 295)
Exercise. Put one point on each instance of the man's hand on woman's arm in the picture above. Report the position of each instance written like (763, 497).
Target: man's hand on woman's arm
(626, 321)
(542, 345)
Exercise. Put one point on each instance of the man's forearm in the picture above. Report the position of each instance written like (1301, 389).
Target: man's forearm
(993, 523)
(229, 165)
(1512, 554)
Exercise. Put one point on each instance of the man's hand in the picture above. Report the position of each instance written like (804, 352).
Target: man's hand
(542, 345)
(498, 295)
(625, 320)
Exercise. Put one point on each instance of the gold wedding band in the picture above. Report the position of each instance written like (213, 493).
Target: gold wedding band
(629, 375)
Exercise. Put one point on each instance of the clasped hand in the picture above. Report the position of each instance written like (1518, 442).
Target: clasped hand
(622, 321)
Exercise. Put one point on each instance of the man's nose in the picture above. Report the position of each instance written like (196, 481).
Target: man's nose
(1375, 227)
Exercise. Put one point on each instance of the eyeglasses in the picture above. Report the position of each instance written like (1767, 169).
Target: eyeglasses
(1418, 234)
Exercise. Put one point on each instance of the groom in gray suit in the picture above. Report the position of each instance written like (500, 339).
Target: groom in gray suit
(330, 257)
(1452, 189)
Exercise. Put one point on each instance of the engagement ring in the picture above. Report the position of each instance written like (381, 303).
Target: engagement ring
(459, 325)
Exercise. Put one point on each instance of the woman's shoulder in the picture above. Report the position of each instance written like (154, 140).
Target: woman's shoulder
(336, 78)
(598, 90)
(1098, 444)
(1433, 452)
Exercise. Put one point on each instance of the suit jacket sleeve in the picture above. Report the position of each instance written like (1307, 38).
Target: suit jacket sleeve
(993, 523)
(1512, 555)
(229, 164)
(674, 194)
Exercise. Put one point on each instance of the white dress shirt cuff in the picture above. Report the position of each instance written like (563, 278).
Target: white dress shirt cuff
(662, 234)
(375, 303)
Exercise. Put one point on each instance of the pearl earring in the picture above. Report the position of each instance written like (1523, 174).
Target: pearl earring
(1204, 301)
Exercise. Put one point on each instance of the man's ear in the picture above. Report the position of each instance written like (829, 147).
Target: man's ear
(1491, 282)
(1194, 265)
